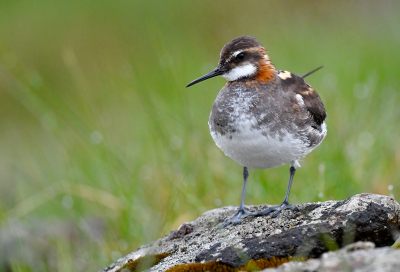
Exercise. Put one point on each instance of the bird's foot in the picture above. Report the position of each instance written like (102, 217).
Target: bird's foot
(278, 208)
(237, 218)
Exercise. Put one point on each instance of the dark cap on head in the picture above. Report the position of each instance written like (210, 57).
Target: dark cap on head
(239, 43)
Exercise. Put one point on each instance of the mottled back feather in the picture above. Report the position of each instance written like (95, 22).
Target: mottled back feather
(312, 101)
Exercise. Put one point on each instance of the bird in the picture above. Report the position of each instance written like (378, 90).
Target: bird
(263, 117)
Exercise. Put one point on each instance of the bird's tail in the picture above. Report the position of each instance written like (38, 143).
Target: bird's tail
(309, 73)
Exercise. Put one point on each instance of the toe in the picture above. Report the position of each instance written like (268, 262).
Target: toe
(276, 213)
(236, 219)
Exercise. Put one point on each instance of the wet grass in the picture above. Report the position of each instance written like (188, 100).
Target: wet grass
(102, 148)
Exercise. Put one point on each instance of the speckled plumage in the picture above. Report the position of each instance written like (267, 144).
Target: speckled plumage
(267, 126)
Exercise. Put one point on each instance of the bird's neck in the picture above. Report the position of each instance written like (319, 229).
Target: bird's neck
(266, 71)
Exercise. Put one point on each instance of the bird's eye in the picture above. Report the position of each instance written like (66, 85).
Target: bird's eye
(240, 56)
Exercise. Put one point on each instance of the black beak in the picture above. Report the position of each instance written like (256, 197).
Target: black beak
(213, 73)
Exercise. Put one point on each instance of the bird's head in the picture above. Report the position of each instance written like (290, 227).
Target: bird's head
(242, 59)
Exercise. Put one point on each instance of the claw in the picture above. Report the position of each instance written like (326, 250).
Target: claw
(237, 218)
(277, 209)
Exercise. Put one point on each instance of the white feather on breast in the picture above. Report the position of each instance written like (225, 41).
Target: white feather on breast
(257, 147)
(251, 148)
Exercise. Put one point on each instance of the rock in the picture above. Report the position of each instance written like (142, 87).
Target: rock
(360, 257)
(267, 242)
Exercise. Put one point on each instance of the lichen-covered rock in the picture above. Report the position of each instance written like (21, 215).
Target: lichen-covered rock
(316, 228)
(360, 257)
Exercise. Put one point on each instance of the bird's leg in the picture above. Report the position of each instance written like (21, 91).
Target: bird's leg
(285, 204)
(242, 212)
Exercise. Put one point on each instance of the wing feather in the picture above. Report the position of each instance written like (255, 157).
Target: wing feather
(312, 101)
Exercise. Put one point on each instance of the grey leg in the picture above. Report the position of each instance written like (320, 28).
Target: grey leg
(237, 218)
(285, 204)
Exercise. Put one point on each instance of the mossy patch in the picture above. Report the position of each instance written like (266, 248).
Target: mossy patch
(396, 244)
(149, 261)
(252, 265)
(143, 263)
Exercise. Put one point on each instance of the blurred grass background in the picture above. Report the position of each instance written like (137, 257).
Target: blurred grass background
(102, 148)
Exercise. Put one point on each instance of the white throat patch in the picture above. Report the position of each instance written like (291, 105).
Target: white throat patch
(239, 72)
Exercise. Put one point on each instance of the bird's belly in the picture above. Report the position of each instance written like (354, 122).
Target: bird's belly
(259, 148)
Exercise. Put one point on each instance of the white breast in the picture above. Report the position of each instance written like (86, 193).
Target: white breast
(257, 149)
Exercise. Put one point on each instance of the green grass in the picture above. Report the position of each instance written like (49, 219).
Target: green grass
(102, 148)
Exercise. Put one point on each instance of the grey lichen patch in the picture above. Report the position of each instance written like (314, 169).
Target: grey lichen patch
(360, 256)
